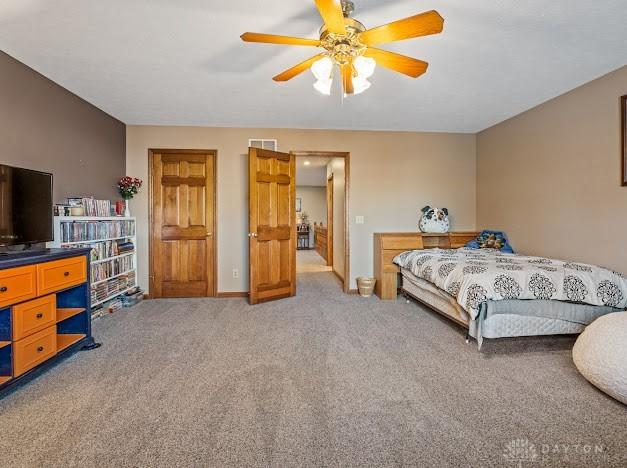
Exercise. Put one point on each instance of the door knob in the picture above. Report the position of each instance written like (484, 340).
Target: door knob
(252, 234)
(209, 234)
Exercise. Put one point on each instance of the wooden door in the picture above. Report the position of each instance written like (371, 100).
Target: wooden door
(182, 257)
(330, 221)
(272, 225)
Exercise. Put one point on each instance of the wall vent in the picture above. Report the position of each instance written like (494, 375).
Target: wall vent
(271, 145)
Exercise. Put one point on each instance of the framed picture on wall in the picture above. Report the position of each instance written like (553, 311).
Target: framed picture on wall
(623, 135)
(299, 205)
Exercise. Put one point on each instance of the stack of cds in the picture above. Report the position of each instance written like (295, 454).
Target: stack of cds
(102, 271)
(105, 289)
(102, 250)
(115, 305)
(96, 230)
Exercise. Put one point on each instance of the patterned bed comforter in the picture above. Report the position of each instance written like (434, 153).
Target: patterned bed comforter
(474, 276)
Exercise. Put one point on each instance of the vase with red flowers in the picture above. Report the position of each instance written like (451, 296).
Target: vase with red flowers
(128, 188)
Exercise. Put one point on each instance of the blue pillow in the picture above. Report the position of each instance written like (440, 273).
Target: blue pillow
(491, 240)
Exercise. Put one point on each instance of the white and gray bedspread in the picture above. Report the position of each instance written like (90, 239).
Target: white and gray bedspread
(475, 276)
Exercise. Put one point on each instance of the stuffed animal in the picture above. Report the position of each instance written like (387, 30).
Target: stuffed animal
(492, 242)
(434, 220)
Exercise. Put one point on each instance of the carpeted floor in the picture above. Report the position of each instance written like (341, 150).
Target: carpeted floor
(322, 379)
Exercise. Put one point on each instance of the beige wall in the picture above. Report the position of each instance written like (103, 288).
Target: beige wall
(393, 175)
(550, 177)
(45, 127)
(336, 167)
(313, 202)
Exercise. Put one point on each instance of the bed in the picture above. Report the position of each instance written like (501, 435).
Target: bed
(496, 295)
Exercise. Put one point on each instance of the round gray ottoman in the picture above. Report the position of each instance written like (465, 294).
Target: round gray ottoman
(600, 354)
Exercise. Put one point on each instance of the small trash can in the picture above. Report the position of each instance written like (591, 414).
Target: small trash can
(365, 285)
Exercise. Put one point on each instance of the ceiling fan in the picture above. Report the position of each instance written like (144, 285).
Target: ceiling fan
(349, 45)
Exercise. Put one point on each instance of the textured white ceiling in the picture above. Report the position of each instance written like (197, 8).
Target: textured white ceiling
(182, 62)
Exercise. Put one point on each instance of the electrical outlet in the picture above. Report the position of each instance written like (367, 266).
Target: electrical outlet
(359, 220)
(235, 273)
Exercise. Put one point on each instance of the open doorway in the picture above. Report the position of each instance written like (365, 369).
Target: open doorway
(321, 213)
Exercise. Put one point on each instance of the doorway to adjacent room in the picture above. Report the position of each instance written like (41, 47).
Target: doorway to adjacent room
(279, 224)
(321, 213)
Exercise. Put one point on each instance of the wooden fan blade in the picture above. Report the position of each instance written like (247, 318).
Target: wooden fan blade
(298, 69)
(423, 24)
(399, 63)
(347, 78)
(331, 12)
(274, 39)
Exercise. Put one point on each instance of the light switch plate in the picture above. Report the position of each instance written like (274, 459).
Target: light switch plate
(359, 220)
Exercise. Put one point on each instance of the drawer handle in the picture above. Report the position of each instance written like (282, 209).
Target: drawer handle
(40, 315)
(66, 273)
(4, 289)
(40, 349)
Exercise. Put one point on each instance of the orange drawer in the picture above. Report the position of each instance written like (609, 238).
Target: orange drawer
(17, 285)
(33, 350)
(61, 274)
(33, 316)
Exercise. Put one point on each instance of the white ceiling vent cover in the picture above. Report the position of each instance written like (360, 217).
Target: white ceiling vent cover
(271, 145)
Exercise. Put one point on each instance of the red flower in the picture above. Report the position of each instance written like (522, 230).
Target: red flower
(129, 186)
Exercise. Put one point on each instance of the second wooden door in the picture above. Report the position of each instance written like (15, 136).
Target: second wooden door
(182, 223)
(272, 225)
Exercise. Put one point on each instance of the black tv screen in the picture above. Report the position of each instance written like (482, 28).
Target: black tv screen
(25, 206)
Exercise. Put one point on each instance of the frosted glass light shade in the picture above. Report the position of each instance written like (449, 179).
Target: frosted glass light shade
(323, 86)
(360, 84)
(322, 69)
(365, 66)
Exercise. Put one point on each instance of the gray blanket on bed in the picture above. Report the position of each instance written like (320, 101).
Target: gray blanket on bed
(567, 311)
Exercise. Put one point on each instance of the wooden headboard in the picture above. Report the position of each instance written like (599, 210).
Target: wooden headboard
(388, 245)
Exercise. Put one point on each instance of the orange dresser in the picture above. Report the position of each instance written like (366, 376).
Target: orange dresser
(44, 309)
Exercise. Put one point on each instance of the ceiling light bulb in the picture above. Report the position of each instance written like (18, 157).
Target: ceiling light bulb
(360, 84)
(322, 69)
(365, 66)
(307, 163)
(323, 86)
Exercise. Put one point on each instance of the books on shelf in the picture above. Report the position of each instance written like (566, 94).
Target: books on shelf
(95, 207)
(103, 250)
(75, 231)
(113, 254)
(115, 266)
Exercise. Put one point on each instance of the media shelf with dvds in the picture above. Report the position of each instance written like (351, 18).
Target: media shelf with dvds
(113, 242)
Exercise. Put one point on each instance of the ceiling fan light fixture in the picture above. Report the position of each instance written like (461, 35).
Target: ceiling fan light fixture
(324, 86)
(347, 44)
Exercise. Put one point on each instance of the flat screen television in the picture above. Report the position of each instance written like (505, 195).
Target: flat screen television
(25, 206)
